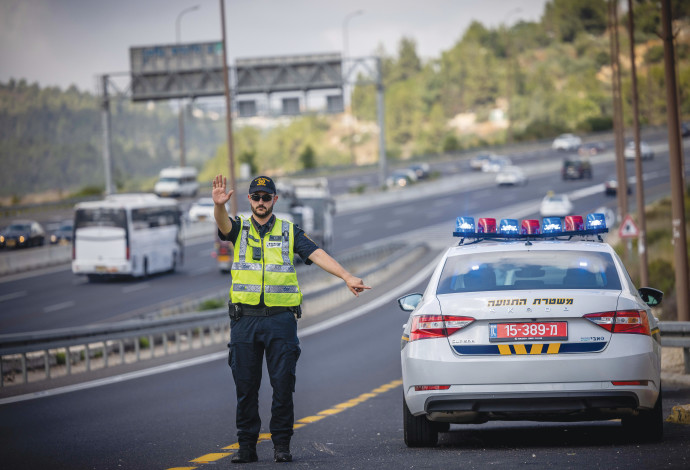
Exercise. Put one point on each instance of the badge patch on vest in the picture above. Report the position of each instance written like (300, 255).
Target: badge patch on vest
(274, 244)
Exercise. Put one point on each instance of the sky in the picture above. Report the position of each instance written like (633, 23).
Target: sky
(72, 42)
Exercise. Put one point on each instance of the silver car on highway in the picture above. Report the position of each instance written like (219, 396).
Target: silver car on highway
(545, 326)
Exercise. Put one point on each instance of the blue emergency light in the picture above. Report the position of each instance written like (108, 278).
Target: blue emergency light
(595, 221)
(509, 227)
(464, 225)
(551, 225)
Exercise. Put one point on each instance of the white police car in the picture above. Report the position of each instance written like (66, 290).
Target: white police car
(521, 325)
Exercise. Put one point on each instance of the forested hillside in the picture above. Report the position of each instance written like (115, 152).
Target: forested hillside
(52, 140)
(528, 81)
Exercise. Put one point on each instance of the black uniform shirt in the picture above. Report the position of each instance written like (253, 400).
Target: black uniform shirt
(303, 245)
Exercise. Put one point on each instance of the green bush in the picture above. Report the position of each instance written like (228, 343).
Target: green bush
(144, 342)
(659, 278)
(211, 304)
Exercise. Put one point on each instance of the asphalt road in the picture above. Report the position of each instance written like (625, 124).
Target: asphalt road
(173, 419)
(348, 395)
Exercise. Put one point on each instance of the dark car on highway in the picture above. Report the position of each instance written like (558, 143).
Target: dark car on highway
(611, 186)
(576, 168)
(63, 234)
(21, 234)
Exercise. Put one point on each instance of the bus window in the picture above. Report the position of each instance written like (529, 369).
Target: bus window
(101, 217)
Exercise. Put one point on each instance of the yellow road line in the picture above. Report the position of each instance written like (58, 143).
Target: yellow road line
(213, 457)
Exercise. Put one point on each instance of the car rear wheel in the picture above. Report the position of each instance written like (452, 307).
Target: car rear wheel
(648, 426)
(418, 431)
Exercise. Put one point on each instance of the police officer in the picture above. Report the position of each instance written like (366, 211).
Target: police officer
(265, 304)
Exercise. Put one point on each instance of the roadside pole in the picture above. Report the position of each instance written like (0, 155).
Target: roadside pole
(675, 152)
(228, 112)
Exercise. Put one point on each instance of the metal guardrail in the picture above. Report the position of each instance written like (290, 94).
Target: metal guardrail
(46, 354)
(84, 345)
(676, 334)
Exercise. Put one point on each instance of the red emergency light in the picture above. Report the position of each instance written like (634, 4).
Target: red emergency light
(486, 225)
(530, 227)
(574, 222)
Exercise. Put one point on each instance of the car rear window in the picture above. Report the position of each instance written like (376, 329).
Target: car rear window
(528, 270)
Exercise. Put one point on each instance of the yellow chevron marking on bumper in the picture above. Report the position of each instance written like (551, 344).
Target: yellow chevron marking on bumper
(536, 349)
(553, 348)
(504, 349)
(520, 349)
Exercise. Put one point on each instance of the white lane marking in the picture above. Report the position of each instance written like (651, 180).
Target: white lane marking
(13, 295)
(135, 287)
(361, 218)
(60, 306)
(351, 234)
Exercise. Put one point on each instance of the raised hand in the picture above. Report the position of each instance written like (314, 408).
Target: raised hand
(219, 190)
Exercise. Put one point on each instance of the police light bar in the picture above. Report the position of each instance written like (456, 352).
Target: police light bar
(511, 229)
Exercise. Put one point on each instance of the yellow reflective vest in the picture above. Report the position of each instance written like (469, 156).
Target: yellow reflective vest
(273, 272)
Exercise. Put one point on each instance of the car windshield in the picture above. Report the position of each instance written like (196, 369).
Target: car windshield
(19, 228)
(527, 270)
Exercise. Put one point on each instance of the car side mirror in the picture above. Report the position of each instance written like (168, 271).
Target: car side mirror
(409, 302)
(651, 296)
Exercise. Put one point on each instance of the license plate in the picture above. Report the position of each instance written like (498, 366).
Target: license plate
(223, 258)
(11, 243)
(528, 331)
(101, 269)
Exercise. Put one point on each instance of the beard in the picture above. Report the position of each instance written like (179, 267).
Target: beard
(267, 211)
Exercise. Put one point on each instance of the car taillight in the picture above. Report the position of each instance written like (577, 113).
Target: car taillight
(437, 326)
(622, 321)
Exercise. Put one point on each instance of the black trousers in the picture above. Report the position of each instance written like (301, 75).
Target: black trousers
(249, 338)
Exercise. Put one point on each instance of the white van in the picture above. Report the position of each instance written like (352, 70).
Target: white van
(177, 181)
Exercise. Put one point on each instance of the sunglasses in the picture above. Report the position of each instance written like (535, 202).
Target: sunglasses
(265, 197)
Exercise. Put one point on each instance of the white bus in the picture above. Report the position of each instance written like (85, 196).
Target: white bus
(127, 234)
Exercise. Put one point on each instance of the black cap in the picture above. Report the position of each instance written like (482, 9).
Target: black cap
(262, 183)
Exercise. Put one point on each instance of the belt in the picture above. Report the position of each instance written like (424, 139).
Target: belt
(255, 311)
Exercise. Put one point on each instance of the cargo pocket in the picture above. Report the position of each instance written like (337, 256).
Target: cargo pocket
(231, 355)
(294, 352)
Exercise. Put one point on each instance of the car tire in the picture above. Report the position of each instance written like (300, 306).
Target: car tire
(648, 425)
(418, 431)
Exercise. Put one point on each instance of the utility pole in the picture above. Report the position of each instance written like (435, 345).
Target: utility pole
(228, 112)
(675, 153)
(618, 124)
(641, 216)
(105, 121)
